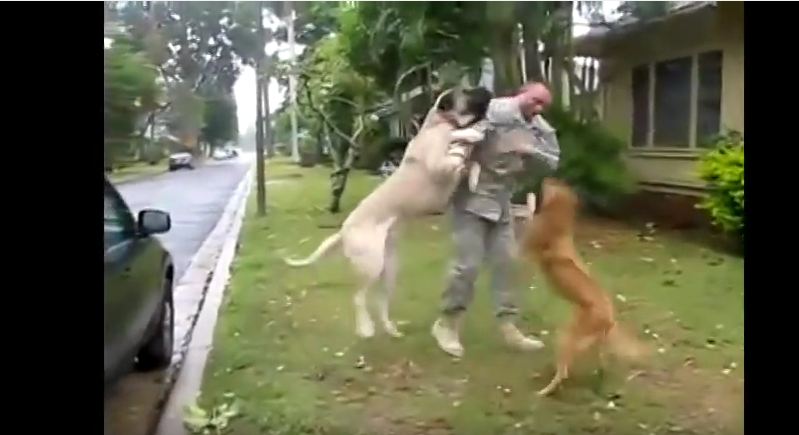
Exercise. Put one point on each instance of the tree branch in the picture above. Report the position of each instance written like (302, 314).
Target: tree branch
(408, 72)
(323, 115)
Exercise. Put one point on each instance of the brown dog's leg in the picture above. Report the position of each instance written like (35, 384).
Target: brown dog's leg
(565, 355)
(577, 339)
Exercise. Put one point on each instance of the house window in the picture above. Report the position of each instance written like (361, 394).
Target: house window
(640, 105)
(708, 99)
(677, 103)
(672, 103)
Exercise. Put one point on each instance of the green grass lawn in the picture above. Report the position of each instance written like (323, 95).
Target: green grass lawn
(137, 170)
(285, 343)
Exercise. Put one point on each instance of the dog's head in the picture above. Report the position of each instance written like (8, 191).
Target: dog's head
(464, 107)
(559, 200)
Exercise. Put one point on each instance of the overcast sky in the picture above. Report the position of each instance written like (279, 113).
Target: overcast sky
(244, 88)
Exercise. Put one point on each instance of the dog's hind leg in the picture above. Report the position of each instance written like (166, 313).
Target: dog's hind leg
(366, 252)
(575, 340)
(390, 268)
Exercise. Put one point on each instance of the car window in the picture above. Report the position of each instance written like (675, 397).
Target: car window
(118, 222)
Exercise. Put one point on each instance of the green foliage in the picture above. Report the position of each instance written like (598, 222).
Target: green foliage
(130, 91)
(591, 161)
(723, 169)
(384, 39)
(214, 421)
(221, 120)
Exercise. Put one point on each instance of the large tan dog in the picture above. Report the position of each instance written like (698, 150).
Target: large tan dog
(423, 184)
(549, 240)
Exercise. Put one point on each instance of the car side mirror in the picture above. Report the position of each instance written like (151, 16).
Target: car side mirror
(154, 222)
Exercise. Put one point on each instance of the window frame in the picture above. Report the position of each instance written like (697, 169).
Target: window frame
(128, 231)
(693, 145)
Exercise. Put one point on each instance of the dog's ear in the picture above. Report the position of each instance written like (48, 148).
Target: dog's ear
(445, 101)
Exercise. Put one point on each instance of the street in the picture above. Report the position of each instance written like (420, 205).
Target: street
(195, 199)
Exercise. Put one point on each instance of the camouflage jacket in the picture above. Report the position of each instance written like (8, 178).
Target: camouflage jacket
(505, 129)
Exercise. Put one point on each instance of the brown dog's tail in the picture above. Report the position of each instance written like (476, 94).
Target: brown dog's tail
(625, 346)
(329, 243)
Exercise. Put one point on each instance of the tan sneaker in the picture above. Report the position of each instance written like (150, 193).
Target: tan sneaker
(445, 331)
(514, 338)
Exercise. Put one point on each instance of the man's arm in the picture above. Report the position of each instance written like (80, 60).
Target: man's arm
(547, 149)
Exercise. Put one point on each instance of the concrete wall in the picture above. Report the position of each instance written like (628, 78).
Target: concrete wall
(674, 169)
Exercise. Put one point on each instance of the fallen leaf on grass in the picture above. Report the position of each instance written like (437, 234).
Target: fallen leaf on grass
(200, 421)
(634, 375)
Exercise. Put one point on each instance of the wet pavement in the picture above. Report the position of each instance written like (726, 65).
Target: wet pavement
(195, 199)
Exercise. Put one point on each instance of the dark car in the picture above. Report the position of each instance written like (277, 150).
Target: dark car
(138, 274)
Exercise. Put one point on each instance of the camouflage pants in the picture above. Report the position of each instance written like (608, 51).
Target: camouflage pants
(478, 239)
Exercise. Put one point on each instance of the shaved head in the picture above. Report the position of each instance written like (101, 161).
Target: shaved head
(534, 98)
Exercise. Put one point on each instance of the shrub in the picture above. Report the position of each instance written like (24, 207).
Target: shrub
(723, 169)
(591, 161)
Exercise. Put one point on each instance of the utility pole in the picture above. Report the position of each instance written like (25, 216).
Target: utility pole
(259, 121)
(295, 151)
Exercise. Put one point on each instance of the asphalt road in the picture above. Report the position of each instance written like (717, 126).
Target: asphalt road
(195, 199)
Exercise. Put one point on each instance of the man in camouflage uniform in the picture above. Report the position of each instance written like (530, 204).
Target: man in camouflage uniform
(482, 223)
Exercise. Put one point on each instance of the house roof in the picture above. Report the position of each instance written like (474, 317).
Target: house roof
(598, 38)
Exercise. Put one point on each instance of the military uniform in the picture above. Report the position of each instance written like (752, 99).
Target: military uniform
(482, 221)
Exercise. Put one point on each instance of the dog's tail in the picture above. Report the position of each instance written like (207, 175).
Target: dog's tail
(625, 346)
(323, 248)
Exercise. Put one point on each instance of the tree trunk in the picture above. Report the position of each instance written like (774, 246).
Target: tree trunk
(532, 58)
(338, 179)
(259, 126)
(560, 40)
(505, 56)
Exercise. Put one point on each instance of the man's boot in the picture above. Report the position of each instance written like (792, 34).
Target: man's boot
(445, 331)
(514, 338)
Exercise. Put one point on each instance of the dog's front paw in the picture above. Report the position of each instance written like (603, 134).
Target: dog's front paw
(531, 202)
(468, 135)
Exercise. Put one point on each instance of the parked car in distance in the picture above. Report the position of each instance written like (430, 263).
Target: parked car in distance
(137, 295)
(225, 153)
(181, 160)
(222, 154)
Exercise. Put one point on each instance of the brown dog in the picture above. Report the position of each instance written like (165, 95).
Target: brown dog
(549, 241)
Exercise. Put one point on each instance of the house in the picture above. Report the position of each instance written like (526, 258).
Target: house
(669, 83)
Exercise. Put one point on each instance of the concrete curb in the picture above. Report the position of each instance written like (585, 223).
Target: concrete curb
(195, 351)
(193, 288)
